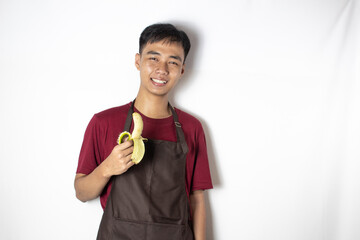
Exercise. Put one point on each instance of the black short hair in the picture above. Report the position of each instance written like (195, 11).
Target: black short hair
(161, 31)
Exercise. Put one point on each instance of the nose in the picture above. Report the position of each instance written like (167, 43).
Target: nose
(162, 68)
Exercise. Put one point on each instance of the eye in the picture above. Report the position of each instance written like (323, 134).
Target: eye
(174, 63)
(153, 58)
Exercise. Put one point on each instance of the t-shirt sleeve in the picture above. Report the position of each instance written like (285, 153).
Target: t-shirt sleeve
(90, 154)
(201, 175)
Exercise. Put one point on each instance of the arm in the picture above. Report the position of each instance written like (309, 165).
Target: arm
(90, 186)
(197, 203)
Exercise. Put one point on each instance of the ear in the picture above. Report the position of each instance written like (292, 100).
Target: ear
(137, 61)
(183, 69)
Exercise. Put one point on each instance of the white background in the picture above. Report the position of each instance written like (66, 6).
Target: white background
(274, 83)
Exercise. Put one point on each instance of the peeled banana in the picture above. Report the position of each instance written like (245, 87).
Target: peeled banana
(135, 136)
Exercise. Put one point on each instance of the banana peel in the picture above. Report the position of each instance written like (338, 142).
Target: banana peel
(135, 136)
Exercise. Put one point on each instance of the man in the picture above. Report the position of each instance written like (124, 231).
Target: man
(162, 196)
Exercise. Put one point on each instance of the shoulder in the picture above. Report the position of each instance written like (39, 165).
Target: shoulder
(186, 117)
(112, 113)
(188, 121)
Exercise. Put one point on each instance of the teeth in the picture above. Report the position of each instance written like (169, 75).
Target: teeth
(159, 81)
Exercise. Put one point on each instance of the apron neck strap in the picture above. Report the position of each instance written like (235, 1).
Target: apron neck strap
(129, 117)
(179, 132)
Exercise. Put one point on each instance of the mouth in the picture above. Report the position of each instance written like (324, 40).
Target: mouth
(158, 82)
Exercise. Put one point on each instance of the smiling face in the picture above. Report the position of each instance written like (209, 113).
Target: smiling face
(161, 66)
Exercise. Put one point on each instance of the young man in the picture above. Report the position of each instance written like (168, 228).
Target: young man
(162, 196)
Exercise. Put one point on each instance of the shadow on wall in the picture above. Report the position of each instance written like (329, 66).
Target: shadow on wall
(183, 83)
(190, 59)
(210, 230)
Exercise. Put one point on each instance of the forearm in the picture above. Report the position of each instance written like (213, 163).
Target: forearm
(90, 186)
(119, 161)
(197, 202)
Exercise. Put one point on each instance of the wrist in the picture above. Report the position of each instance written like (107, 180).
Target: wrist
(104, 170)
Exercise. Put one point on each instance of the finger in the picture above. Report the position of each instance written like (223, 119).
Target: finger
(127, 159)
(128, 151)
(125, 145)
(130, 164)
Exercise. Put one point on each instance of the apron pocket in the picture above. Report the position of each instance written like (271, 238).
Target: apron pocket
(158, 231)
(128, 230)
(167, 207)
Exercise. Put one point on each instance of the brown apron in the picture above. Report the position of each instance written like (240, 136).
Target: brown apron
(149, 201)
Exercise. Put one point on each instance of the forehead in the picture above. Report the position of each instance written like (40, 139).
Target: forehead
(165, 47)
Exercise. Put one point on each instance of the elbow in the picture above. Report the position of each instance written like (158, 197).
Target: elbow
(78, 193)
(80, 197)
(82, 192)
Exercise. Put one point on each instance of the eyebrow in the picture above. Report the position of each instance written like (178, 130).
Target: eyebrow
(156, 53)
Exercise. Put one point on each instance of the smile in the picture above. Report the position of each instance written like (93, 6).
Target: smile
(159, 81)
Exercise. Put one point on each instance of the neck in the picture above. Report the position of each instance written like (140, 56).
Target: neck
(153, 106)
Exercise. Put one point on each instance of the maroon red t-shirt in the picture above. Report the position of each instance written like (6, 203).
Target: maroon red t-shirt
(104, 129)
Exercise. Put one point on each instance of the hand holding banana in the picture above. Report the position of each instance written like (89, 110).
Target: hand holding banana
(135, 136)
